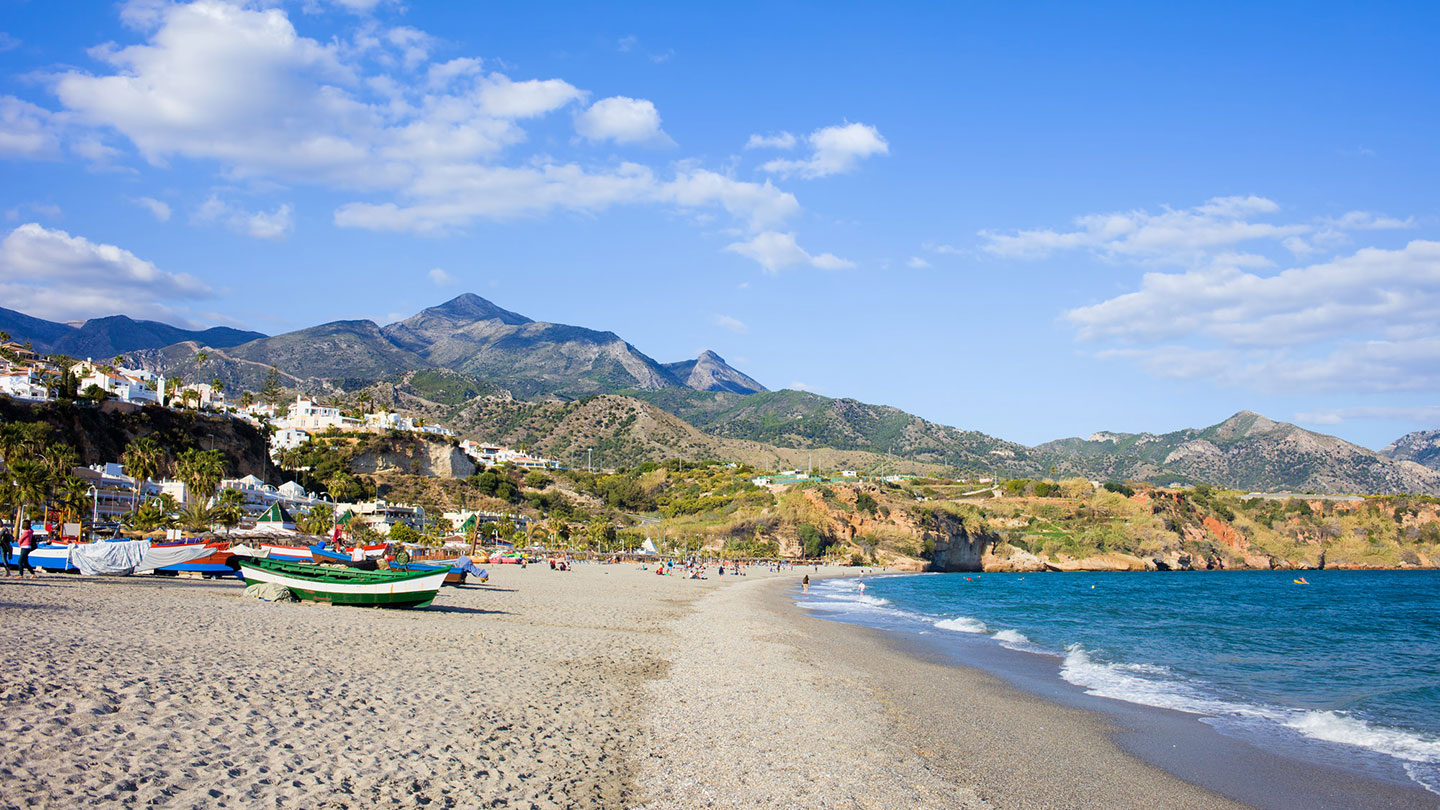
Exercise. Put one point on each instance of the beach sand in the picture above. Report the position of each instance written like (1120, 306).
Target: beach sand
(602, 687)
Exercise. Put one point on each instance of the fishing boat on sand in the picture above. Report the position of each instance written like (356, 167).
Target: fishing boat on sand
(46, 557)
(347, 586)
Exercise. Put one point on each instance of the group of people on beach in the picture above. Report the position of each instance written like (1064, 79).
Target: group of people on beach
(26, 542)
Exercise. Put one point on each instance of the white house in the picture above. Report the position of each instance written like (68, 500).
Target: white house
(122, 384)
(287, 439)
(306, 415)
(23, 383)
(260, 496)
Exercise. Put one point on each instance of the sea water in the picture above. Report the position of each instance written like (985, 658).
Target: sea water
(1346, 667)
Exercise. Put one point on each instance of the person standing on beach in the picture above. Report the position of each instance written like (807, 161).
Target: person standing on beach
(5, 549)
(805, 583)
(27, 542)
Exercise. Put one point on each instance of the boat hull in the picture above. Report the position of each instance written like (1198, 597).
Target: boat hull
(47, 557)
(344, 586)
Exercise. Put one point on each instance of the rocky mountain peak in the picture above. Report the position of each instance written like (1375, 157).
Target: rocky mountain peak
(710, 372)
(469, 307)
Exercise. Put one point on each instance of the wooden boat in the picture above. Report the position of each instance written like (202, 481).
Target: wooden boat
(454, 574)
(220, 563)
(328, 557)
(347, 586)
(288, 553)
(46, 557)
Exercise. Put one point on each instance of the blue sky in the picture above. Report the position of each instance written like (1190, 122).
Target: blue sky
(1031, 219)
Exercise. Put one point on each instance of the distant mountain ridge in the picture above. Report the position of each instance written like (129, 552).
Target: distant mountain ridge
(1421, 447)
(117, 334)
(467, 335)
(1246, 451)
(475, 364)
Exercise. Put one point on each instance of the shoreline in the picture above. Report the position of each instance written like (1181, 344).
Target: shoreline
(1187, 761)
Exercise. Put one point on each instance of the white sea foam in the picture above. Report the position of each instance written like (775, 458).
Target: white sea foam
(1340, 728)
(1136, 683)
(1158, 686)
(963, 624)
(1015, 640)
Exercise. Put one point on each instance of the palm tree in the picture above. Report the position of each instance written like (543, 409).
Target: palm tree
(196, 516)
(74, 498)
(32, 484)
(22, 440)
(202, 471)
(142, 459)
(229, 508)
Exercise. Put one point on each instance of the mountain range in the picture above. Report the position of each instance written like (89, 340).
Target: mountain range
(104, 338)
(502, 376)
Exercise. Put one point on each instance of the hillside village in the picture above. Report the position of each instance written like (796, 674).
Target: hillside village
(390, 461)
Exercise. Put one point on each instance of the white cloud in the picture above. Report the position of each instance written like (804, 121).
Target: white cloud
(413, 44)
(1211, 232)
(1179, 236)
(430, 145)
(623, 120)
(27, 131)
(160, 210)
(1418, 414)
(800, 386)
(917, 263)
(775, 251)
(1369, 221)
(275, 224)
(835, 150)
(440, 277)
(733, 324)
(440, 75)
(781, 140)
(48, 210)
(8, 42)
(1366, 321)
(50, 274)
(503, 98)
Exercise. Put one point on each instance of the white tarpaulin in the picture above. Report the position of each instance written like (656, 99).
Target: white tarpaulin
(131, 556)
(161, 556)
(108, 558)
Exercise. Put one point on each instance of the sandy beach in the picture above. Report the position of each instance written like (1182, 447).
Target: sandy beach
(601, 687)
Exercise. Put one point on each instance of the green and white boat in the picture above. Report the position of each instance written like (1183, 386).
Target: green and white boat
(347, 586)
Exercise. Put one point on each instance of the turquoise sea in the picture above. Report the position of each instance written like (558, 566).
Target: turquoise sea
(1344, 670)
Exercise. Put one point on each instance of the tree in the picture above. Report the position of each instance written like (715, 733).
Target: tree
(143, 460)
(22, 440)
(32, 482)
(196, 516)
(119, 360)
(246, 399)
(202, 471)
(402, 533)
(271, 392)
(318, 520)
(73, 498)
(230, 508)
(94, 393)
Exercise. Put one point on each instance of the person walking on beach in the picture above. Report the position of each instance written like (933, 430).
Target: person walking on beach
(27, 542)
(805, 583)
(5, 547)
